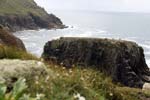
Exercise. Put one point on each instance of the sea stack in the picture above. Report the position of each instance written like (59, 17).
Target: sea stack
(123, 60)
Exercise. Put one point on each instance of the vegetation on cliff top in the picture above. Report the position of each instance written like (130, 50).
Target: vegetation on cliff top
(72, 84)
(21, 7)
(68, 84)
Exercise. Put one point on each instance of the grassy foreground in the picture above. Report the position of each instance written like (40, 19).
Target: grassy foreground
(66, 84)
(72, 84)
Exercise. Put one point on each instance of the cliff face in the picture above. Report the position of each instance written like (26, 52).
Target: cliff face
(26, 14)
(122, 60)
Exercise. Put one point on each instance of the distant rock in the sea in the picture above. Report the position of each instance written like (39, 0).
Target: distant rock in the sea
(124, 61)
(8, 39)
(26, 14)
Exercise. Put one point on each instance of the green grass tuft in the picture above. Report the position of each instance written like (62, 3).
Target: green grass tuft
(14, 53)
(21, 7)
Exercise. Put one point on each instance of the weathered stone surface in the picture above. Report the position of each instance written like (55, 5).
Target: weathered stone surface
(146, 87)
(123, 60)
(8, 39)
(11, 70)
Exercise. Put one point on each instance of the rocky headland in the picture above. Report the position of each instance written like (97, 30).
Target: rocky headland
(71, 74)
(124, 61)
(19, 15)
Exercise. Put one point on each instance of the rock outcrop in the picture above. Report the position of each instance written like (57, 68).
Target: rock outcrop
(8, 39)
(122, 60)
(11, 70)
(26, 14)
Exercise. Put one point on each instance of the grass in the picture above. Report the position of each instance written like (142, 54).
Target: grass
(21, 7)
(14, 53)
(17, 92)
(64, 84)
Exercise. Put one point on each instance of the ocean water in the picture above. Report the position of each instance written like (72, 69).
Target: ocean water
(125, 26)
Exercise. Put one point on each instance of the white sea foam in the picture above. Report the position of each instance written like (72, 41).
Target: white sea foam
(145, 46)
(35, 40)
(148, 62)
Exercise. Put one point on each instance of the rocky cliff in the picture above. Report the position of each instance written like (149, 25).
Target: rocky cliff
(26, 14)
(8, 39)
(122, 60)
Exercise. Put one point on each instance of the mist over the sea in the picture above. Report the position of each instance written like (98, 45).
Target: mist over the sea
(126, 26)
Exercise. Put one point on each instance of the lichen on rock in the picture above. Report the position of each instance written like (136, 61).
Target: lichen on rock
(11, 70)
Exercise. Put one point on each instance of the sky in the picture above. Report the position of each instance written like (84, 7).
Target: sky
(97, 5)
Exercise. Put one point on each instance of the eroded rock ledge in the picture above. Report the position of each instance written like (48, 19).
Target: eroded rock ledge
(122, 60)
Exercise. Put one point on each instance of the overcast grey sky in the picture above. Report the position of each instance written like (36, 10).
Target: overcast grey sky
(97, 5)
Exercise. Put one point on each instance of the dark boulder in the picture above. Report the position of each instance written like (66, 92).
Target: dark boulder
(122, 60)
(8, 39)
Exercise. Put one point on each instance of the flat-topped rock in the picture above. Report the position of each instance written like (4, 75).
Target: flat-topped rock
(123, 60)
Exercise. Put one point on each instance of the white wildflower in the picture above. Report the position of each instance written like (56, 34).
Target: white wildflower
(63, 68)
(79, 97)
(70, 71)
(40, 63)
(37, 82)
(82, 78)
(146, 86)
(39, 96)
(66, 74)
(111, 94)
(47, 78)
(57, 74)
(61, 63)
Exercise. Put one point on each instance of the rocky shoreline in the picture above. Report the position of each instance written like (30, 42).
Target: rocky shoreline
(69, 66)
(28, 16)
(30, 22)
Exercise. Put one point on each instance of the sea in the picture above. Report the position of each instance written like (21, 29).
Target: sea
(94, 24)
